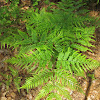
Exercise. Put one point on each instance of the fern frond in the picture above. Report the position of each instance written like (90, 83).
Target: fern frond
(64, 78)
(32, 59)
(53, 91)
(14, 72)
(17, 82)
(75, 62)
(54, 96)
(48, 88)
(63, 91)
(79, 47)
(38, 79)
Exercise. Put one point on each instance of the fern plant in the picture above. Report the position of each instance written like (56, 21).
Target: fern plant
(11, 76)
(10, 17)
(49, 49)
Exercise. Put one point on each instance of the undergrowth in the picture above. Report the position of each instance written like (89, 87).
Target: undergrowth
(49, 47)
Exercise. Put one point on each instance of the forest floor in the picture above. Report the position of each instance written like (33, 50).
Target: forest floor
(91, 87)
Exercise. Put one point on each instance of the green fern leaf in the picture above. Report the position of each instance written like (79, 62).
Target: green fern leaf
(54, 95)
(38, 79)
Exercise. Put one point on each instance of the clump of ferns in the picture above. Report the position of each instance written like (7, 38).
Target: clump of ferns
(57, 76)
(46, 51)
